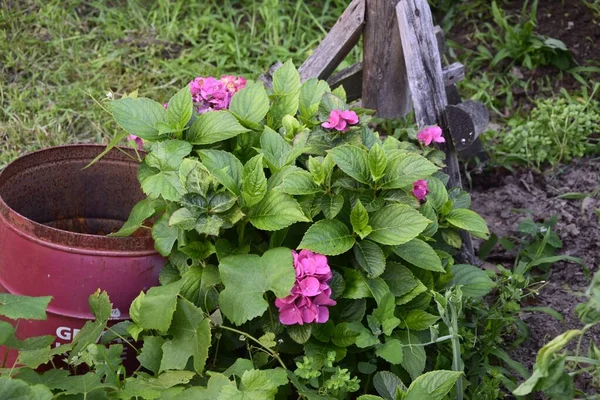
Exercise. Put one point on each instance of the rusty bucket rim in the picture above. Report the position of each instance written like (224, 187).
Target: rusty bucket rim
(74, 241)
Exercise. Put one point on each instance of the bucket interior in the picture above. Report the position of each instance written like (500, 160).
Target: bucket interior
(51, 187)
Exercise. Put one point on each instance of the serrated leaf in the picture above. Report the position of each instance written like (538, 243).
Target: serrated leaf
(311, 93)
(194, 176)
(432, 385)
(359, 287)
(84, 384)
(343, 335)
(162, 178)
(391, 351)
(138, 116)
(151, 353)
(386, 384)
(101, 307)
(332, 205)
(164, 235)
(247, 277)
(353, 161)
(299, 333)
(359, 218)
(298, 183)
(212, 127)
(23, 307)
(469, 221)
(474, 282)
(420, 254)
(140, 213)
(316, 170)
(277, 152)
(419, 320)
(154, 309)
(396, 224)
(377, 162)
(254, 182)
(251, 104)
(225, 167)
(268, 340)
(384, 314)
(191, 338)
(399, 279)
(328, 237)
(370, 258)
(180, 109)
(402, 170)
(276, 211)
(438, 195)
(414, 356)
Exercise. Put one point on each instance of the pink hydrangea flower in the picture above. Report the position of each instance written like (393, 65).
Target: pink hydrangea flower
(137, 140)
(339, 120)
(311, 294)
(420, 189)
(431, 134)
(212, 94)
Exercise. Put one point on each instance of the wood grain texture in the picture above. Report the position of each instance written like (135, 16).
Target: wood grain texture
(466, 122)
(385, 86)
(337, 43)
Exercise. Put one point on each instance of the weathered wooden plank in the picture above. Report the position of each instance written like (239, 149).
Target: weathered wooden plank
(337, 43)
(385, 86)
(453, 73)
(351, 79)
(466, 122)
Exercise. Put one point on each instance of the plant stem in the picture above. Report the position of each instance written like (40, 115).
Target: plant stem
(457, 364)
(247, 335)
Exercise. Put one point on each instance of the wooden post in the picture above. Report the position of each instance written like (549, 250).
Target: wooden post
(384, 81)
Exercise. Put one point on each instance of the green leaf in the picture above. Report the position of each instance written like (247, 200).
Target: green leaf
(432, 385)
(154, 309)
(391, 351)
(194, 176)
(328, 237)
(359, 218)
(386, 384)
(23, 307)
(254, 182)
(164, 235)
(353, 161)
(101, 307)
(299, 333)
(151, 353)
(112, 144)
(298, 183)
(438, 195)
(311, 93)
(369, 397)
(377, 162)
(469, 221)
(370, 257)
(474, 282)
(164, 159)
(399, 279)
(384, 314)
(332, 205)
(276, 211)
(359, 287)
(319, 352)
(316, 170)
(238, 368)
(420, 254)
(138, 116)
(191, 338)
(414, 357)
(403, 169)
(180, 109)
(247, 277)
(225, 167)
(14, 389)
(343, 336)
(84, 384)
(286, 79)
(140, 213)
(286, 87)
(213, 127)
(268, 340)
(546, 353)
(419, 320)
(396, 224)
(256, 385)
(251, 104)
(278, 153)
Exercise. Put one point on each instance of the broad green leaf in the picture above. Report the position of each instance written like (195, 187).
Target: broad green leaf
(399, 279)
(277, 152)
(191, 338)
(419, 320)
(343, 336)
(359, 218)
(377, 162)
(6, 332)
(254, 182)
(386, 384)
(84, 384)
(416, 291)
(111, 145)
(370, 257)
(432, 385)
(154, 309)
(299, 333)
(238, 368)
(140, 213)
(311, 93)
(215, 386)
(286, 87)
(332, 205)
(151, 353)
(474, 282)
(365, 337)
(384, 314)
(286, 79)
(101, 307)
(213, 127)
(23, 307)
(162, 178)
(14, 389)
(138, 116)
(414, 356)
(402, 170)
(246, 279)
(370, 397)
(298, 183)
(194, 177)
(180, 109)
(391, 351)
(319, 352)
(396, 224)
(33, 358)
(546, 353)
(316, 170)
(328, 237)
(225, 167)
(353, 161)
(420, 254)
(359, 287)
(164, 235)
(165, 184)
(438, 195)
(168, 155)
(276, 211)
(256, 385)
(469, 221)
(250, 104)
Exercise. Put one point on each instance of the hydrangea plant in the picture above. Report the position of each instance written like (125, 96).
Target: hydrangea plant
(307, 255)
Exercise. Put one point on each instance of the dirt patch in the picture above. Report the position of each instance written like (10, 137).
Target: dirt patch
(497, 195)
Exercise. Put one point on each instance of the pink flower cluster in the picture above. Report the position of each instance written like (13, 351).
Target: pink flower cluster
(431, 134)
(212, 94)
(311, 294)
(420, 189)
(339, 120)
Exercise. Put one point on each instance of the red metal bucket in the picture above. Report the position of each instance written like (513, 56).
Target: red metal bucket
(54, 217)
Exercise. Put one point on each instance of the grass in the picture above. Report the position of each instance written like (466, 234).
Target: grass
(56, 55)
